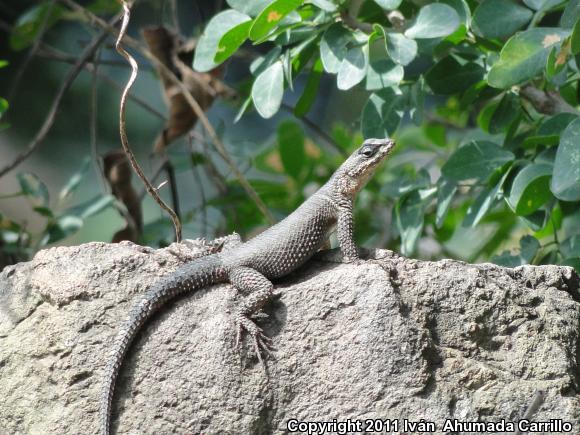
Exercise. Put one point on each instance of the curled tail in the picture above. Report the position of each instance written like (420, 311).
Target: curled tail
(191, 276)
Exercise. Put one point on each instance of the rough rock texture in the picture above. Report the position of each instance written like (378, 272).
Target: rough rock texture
(391, 338)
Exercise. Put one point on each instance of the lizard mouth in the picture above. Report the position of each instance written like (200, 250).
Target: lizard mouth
(364, 168)
(386, 146)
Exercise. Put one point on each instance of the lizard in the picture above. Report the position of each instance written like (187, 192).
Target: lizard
(251, 266)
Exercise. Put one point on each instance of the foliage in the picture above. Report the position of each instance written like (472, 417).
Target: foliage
(470, 55)
(61, 219)
(481, 97)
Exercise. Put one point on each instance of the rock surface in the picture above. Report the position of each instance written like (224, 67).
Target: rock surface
(392, 338)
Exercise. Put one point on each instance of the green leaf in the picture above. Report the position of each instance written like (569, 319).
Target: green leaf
(462, 9)
(402, 180)
(571, 246)
(524, 56)
(291, 146)
(325, 5)
(544, 5)
(505, 113)
(529, 247)
(63, 227)
(448, 76)
(260, 64)
(572, 262)
(383, 73)
(571, 14)
(44, 211)
(445, 191)
(33, 188)
(417, 101)
(410, 217)
(536, 220)
(549, 131)
(75, 180)
(556, 124)
(3, 106)
(499, 18)
(310, 90)
(268, 90)
(333, 47)
(530, 189)
(207, 46)
(388, 5)
(401, 49)
(28, 25)
(231, 41)
(91, 207)
(382, 114)
(483, 203)
(575, 38)
(353, 67)
(477, 159)
(243, 109)
(554, 64)
(292, 34)
(566, 179)
(302, 53)
(270, 16)
(248, 7)
(4, 63)
(434, 21)
(104, 7)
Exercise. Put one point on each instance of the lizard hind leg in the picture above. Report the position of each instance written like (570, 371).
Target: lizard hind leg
(259, 290)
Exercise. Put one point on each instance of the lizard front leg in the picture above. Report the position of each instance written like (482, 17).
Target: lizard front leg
(345, 232)
(259, 290)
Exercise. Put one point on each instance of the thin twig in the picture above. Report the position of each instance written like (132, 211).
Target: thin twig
(350, 17)
(50, 53)
(93, 127)
(175, 16)
(197, 180)
(51, 116)
(91, 67)
(321, 133)
(190, 100)
(124, 139)
(546, 102)
(136, 99)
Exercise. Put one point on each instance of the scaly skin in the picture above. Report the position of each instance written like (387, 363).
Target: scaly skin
(250, 266)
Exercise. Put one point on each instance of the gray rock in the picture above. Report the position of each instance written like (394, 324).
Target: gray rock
(392, 338)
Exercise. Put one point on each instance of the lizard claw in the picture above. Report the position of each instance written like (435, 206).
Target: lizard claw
(260, 315)
(262, 343)
(351, 260)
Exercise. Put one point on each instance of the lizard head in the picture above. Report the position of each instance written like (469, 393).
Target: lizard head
(358, 168)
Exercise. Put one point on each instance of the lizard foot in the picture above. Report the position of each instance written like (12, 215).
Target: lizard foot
(262, 343)
(355, 261)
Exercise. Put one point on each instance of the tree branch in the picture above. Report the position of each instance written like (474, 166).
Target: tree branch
(349, 17)
(88, 53)
(546, 102)
(189, 98)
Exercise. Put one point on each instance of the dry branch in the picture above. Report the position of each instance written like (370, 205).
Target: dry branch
(87, 54)
(95, 20)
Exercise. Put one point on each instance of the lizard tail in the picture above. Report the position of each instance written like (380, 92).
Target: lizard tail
(191, 276)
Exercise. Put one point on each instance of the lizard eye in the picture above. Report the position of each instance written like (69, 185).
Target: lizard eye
(368, 151)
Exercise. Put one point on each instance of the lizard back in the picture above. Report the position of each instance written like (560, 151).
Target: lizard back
(290, 243)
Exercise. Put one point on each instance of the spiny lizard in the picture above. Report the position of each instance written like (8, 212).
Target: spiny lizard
(251, 265)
